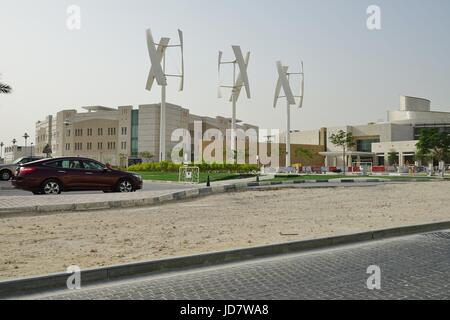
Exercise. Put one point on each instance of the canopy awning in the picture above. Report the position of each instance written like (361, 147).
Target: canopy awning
(347, 153)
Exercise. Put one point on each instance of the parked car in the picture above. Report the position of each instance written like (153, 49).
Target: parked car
(52, 176)
(7, 170)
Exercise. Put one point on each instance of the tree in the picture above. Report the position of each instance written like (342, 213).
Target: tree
(345, 140)
(392, 158)
(47, 150)
(433, 145)
(4, 88)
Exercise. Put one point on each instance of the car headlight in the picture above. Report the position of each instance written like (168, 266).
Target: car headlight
(137, 176)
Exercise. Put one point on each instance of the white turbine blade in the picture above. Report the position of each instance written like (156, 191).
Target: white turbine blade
(156, 56)
(302, 87)
(277, 92)
(282, 72)
(219, 92)
(160, 52)
(180, 34)
(239, 82)
(242, 68)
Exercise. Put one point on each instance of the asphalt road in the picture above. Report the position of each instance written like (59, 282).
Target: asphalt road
(413, 267)
(148, 186)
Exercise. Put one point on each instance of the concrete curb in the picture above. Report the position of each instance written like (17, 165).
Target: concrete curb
(171, 197)
(41, 284)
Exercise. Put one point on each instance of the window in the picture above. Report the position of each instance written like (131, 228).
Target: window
(123, 145)
(89, 145)
(365, 145)
(71, 164)
(68, 133)
(100, 145)
(54, 164)
(100, 131)
(89, 132)
(78, 132)
(111, 145)
(124, 131)
(67, 146)
(78, 146)
(111, 131)
(65, 164)
(92, 165)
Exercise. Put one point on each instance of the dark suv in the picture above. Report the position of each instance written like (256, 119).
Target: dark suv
(52, 176)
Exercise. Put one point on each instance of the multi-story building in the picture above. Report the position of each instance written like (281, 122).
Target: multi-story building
(376, 141)
(116, 135)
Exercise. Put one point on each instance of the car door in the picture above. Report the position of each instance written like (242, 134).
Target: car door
(96, 175)
(73, 174)
(66, 171)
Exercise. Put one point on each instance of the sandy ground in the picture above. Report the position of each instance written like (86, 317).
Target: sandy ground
(45, 244)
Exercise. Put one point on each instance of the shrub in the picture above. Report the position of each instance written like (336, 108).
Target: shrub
(166, 166)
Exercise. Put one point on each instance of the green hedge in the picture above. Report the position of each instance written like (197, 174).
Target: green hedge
(166, 166)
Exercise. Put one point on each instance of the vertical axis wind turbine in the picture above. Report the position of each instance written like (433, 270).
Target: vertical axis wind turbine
(284, 83)
(238, 82)
(157, 52)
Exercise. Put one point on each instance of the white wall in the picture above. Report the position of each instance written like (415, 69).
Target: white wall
(414, 104)
(311, 137)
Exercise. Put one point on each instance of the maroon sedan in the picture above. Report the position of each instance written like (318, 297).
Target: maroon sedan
(52, 176)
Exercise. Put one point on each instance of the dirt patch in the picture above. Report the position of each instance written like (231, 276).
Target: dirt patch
(46, 244)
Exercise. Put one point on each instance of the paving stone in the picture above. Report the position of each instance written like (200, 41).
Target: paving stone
(415, 267)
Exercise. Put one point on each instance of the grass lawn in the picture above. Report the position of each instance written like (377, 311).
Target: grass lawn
(173, 176)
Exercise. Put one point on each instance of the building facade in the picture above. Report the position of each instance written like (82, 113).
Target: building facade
(377, 142)
(12, 153)
(114, 135)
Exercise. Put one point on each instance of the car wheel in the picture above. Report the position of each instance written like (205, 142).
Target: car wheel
(51, 187)
(125, 186)
(5, 175)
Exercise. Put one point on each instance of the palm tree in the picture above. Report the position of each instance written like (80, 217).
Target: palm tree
(4, 88)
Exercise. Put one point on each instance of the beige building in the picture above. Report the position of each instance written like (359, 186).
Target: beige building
(115, 135)
(12, 153)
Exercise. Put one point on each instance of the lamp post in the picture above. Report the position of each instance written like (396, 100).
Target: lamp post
(26, 136)
(1, 150)
(32, 145)
(67, 124)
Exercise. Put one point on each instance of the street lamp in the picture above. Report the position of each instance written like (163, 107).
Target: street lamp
(26, 136)
(32, 145)
(1, 149)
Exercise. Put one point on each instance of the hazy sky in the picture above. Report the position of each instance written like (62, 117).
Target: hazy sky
(353, 75)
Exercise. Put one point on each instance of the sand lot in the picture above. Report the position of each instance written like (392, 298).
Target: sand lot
(44, 244)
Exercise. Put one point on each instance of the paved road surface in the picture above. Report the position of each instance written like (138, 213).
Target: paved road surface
(414, 267)
(148, 186)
